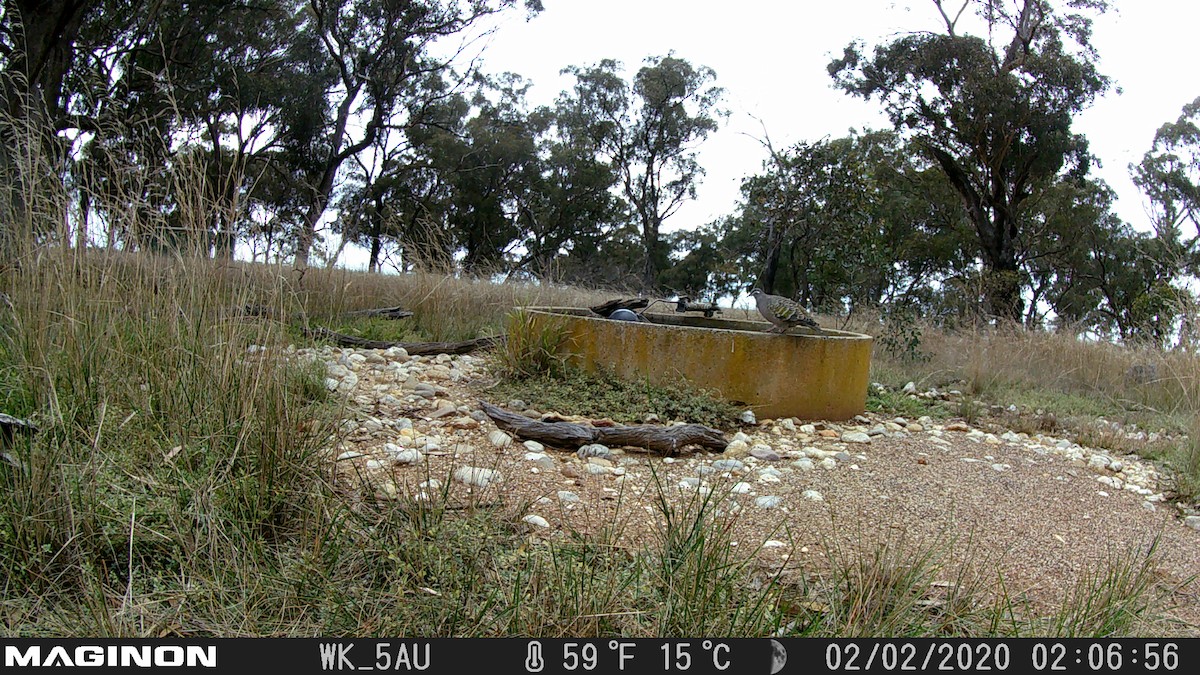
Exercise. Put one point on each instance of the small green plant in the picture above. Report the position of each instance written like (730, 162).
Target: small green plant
(971, 409)
(1185, 461)
(532, 345)
(892, 402)
(901, 334)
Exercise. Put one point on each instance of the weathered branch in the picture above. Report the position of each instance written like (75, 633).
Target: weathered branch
(665, 441)
(384, 312)
(413, 348)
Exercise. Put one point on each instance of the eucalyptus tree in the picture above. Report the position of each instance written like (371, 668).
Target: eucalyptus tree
(992, 109)
(381, 53)
(1169, 175)
(648, 131)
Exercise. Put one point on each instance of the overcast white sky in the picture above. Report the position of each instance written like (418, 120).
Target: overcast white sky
(771, 58)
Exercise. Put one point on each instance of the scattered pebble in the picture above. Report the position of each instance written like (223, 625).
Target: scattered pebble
(765, 453)
(477, 476)
(593, 450)
(767, 501)
(536, 521)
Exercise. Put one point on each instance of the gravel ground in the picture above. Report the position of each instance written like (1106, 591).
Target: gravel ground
(1040, 511)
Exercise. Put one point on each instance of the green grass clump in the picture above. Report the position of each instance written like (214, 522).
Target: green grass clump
(894, 402)
(573, 391)
(1184, 460)
(1119, 598)
(532, 346)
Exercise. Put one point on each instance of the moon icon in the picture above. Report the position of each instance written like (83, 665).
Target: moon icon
(778, 656)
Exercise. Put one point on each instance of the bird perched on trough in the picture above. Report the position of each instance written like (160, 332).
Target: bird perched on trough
(782, 312)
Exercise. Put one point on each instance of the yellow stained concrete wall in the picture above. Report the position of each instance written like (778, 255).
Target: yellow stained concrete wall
(789, 375)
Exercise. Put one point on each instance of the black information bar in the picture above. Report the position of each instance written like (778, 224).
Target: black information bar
(700, 656)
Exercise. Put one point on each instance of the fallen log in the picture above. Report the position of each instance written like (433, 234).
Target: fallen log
(262, 311)
(413, 348)
(666, 441)
(382, 312)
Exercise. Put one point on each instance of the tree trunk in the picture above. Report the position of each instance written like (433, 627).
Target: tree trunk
(50, 29)
(1002, 277)
(376, 245)
(767, 280)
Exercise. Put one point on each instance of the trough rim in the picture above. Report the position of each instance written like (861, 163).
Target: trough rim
(826, 334)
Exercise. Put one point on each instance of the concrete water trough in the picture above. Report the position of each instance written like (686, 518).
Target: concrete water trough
(809, 376)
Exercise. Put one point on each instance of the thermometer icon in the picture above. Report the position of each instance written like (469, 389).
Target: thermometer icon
(534, 661)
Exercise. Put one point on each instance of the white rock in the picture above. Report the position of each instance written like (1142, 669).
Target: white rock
(596, 469)
(773, 543)
(804, 464)
(813, 495)
(764, 452)
(767, 501)
(748, 417)
(500, 439)
(1192, 522)
(829, 464)
(729, 465)
(1099, 462)
(534, 446)
(536, 521)
(689, 483)
(909, 388)
(787, 424)
(541, 459)
(397, 354)
(737, 448)
(856, 437)
(477, 476)
(374, 464)
(389, 490)
(593, 450)
(567, 497)
(808, 429)
(740, 488)
(349, 454)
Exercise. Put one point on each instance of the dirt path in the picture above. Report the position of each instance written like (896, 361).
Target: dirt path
(1040, 511)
